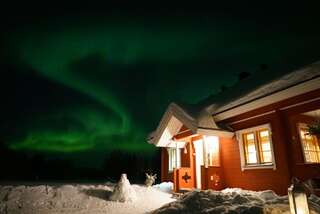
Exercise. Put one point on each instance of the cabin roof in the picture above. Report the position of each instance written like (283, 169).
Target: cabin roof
(200, 118)
(257, 86)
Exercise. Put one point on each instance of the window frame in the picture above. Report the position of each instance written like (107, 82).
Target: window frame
(177, 158)
(239, 136)
(304, 126)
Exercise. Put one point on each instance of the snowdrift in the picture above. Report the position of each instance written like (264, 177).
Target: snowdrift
(233, 201)
(95, 199)
(164, 187)
(76, 198)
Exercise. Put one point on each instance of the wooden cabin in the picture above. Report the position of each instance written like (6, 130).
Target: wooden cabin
(252, 136)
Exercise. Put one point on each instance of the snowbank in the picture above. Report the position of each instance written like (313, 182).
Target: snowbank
(234, 201)
(93, 199)
(164, 187)
(82, 199)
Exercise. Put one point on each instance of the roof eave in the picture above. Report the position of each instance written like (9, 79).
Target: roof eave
(293, 91)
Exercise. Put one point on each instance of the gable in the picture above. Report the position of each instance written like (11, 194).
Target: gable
(176, 117)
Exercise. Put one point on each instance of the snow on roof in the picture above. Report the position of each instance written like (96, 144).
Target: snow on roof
(198, 118)
(258, 86)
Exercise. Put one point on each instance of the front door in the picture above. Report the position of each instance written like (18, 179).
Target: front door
(198, 145)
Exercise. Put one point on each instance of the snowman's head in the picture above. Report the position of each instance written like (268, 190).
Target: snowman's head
(123, 176)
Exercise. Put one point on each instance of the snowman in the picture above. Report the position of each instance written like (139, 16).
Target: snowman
(123, 191)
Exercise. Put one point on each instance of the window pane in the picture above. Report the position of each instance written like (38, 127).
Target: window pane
(170, 159)
(265, 147)
(313, 156)
(250, 137)
(178, 154)
(264, 133)
(267, 157)
(307, 156)
(310, 147)
(250, 148)
(252, 157)
(173, 162)
(173, 159)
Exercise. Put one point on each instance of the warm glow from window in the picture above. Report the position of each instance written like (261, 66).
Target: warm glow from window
(212, 149)
(310, 147)
(250, 148)
(257, 147)
(265, 146)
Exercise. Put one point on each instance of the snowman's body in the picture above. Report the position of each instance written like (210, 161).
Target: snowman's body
(123, 191)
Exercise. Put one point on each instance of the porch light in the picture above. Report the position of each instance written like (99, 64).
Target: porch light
(297, 198)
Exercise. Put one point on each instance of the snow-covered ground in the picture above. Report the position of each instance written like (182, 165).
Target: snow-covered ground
(234, 201)
(80, 199)
(94, 199)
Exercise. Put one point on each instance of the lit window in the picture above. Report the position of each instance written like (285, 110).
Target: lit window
(256, 147)
(212, 149)
(250, 148)
(310, 146)
(265, 146)
(174, 158)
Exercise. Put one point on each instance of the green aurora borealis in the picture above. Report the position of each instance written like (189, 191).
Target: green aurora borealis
(115, 76)
(56, 55)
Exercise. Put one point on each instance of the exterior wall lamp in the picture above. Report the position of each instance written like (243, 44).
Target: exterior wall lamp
(297, 198)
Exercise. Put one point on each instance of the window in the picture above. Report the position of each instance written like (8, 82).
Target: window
(310, 146)
(207, 151)
(174, 158)
(212, 150)
(256, 149)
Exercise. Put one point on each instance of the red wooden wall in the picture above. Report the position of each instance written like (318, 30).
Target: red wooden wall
(257, 179)
(165, 175)
(212, 178)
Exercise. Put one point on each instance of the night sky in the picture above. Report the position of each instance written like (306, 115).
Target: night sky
(79, 85)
